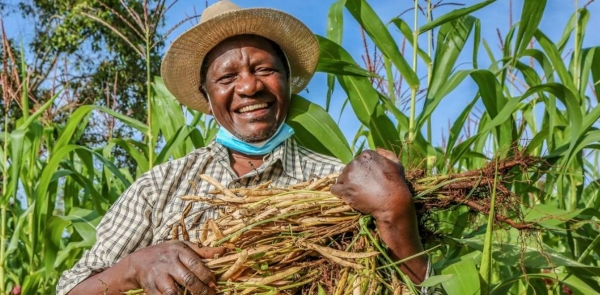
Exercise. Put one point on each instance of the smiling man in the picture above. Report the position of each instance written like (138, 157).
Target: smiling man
(241, 66)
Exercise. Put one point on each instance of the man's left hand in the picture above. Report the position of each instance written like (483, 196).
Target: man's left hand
(373, 183)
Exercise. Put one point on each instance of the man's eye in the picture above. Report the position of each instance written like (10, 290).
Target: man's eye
(226, 79)
(265, 71)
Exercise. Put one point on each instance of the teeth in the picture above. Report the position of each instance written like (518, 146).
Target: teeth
(253, 107)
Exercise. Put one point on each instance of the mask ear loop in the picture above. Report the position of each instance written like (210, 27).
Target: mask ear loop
(289, 78)
(211, 109)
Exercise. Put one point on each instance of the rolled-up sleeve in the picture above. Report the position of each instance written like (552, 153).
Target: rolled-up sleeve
(126, 227)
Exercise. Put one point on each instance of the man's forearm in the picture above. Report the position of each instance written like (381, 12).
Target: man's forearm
(114, 280)
(404, 242)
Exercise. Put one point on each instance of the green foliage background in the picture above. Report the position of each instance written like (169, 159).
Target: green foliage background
(56, 188)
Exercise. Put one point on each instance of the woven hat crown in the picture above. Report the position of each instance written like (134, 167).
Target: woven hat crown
(181, 64)
(218, 8)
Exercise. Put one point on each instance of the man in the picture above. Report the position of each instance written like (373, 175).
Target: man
(241, 66)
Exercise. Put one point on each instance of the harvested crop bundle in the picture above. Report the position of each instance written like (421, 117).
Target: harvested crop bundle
(304, 240)
(300, 239)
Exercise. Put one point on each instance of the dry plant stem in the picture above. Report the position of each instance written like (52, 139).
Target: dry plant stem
(186, 211)
(236, 266)
(218, 185)
(273, 278)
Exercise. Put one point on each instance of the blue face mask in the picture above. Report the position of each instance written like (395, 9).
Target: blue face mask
(227, 139)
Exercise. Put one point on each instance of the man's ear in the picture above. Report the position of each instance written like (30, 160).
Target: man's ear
(210, 112)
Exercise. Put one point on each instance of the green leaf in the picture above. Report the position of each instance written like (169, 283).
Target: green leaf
(486, 257)
(569, 28)
(595, 68)
(315, 129)
(531, 16)
(575, 283)
(408, 35)
(85, 222)
(383, 132)
(53, 234)
(549, 215)
(44, 194)
(17, 143)
(176, 140)
(79, 115)
(435, 280)
(141, 159)
(476, 42)
(335, 28)
(464, 280)
(335, 21)
(359, 89)
(503, 115)
(15, 239)
(321, 290)
(531, 255)
(568, 98)
(168, 116)
(38, 112)
(556, 59)
(374, 27)
(433, 99)
(454, 14)
(459, 123)
(338, 67)
(494, 101)
(451, 40)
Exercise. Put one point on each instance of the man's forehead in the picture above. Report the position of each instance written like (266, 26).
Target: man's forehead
(241, 41)
(233, 45)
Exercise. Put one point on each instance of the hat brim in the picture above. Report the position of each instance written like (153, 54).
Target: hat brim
(181, 64)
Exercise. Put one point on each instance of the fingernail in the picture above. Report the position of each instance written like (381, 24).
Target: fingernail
(212, 285)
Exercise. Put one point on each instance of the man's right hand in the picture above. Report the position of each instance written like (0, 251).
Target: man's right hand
(165, 268)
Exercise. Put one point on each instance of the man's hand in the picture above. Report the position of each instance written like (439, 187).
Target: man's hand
(373, 183)
(165, 268)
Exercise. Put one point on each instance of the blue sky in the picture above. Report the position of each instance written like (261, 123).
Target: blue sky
(495, 16)
(314, 14)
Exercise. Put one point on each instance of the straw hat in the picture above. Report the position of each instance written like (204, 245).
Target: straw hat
(181, 64)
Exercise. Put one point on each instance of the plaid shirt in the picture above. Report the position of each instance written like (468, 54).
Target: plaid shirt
(145, 213)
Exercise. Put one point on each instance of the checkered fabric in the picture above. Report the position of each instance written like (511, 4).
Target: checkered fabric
(145, 213)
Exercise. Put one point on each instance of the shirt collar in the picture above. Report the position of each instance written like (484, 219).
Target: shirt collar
(219, 151)
(286, 153)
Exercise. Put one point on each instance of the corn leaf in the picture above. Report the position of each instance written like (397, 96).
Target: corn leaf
(464, 280)
(335, 28)
(451, 40)
(374, 27)
(531, 16)
(454, 14)
(577, 284)
(338, 67)
(311, 122)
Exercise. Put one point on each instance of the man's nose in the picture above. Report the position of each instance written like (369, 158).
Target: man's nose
(248, 84)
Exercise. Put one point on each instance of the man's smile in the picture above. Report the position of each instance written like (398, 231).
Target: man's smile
(253, 107)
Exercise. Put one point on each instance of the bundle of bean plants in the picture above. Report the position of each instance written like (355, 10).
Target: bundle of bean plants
(302, 239)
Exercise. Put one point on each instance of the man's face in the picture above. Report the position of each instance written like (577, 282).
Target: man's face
(247, 86)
